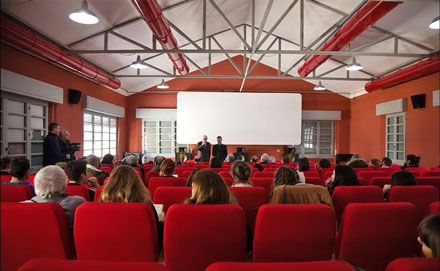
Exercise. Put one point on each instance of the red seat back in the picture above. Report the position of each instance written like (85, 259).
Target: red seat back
(198, 235)
(380, 181)
(311, 173)
(156, 182)
(228, 180)
(5, 178)
(78, 190)
(315, 180)
(264, 174)
(387, 231)
(388, 170)
(433, 208)
(185, 174)
(169, 195)
(179, 171)
(250, 199)
(343, 195)
(33, 230)
(115, 232)
(226, 174)
(419, 195)
(150, 174)
(431, 173)
(434, 181)
(31, 179)
(360, 169)
(368, 175)
(270, 169)
(107, 169)
(294, 232)
(16, 193)
(304, 266)
(414, 264)
(266, 183)
(326, 175)
(98, 192)
(138, 171)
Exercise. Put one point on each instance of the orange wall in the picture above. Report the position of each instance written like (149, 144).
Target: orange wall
(367, 131)
(311, 101)
(69, 116)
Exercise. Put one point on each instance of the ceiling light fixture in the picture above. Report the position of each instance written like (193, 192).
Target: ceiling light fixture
(84, 15)
(435, 23)
(138, 63)
(163, 85)
(354, 66)
(319, 87)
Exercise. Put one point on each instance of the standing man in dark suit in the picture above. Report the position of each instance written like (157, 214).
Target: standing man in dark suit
(204, 148)
(51, 148)
(219, 150)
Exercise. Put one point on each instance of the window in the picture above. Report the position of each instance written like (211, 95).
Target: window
(317, 139)
(23, 128)
(395, 138)
(99, 134)
(159, 137)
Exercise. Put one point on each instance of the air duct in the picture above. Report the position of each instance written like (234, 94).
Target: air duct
(419, 69)
(369, 14)
(27, 40)
(152, 14)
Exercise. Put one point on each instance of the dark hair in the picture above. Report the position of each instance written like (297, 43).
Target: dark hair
(386, 162)
(52, 126)
(241, 171)
(344, 176)
(285, 159)
(253, 159)
(303, 164)
(215, 163)
(107, 159)
(285, 175)
(413, 160)
(158, 160)
(19, 167)
(5, 161)
(429, 233)
(260, 167)
(375, 162)
(324, 163)
(403, 178)
(219, 137)
(357, 163)
(190, 177)
(75, 168)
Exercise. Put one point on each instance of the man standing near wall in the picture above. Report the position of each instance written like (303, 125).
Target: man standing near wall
(51, 148)
(220, 151)
(204, 148)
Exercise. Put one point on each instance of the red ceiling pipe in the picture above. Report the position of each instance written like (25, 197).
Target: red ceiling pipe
(152, 14)
(419, 69)
(370, 13)
(27, 40)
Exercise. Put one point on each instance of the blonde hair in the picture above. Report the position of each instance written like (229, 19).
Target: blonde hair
(167, 168)
(209, 188)
(125, 185)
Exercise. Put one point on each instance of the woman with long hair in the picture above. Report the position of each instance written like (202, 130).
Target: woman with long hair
(209, 188)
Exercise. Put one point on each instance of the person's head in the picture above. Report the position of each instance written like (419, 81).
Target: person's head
(241, 171)
(50, 181)
(357, 163)
(107, 159)
(429, 236)
(285, 159)
(285, 175)
(412, 160)
(215, 163)
(146, 159)
(403, 178)
(54, 128)
(93, 160)
(219, 140)
(386, 162)
(259, 167)
(205, 138)
(303, 164)
(265, 158)
(132, 160)
(253, 159)
(64, 135)
(20, 168)
(190, 177)
(230, 158)
(76, 170)
(324, 163)
(5, 161)
(345, 176)
(167, 168)
(125, 185)
(209, 188)
(158, 160)
(375, 162)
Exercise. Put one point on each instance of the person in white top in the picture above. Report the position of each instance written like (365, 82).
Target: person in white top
(241, 172)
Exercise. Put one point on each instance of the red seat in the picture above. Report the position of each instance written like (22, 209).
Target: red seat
(229, 181)
(294, 232)
(5, 178)
(98, 192)
(431, 173)
(185, 174)
(169, 195)
(325, 170)
(226, 174)
(304, 266)
(201, 166)
(78, 190)
(434, 181)
(326, 175)
(31, 179)
(414, 264)
(388, 170)
(107, 169)
(198, 235)
(433, 208)
(16, 193)
(419, 195)
(363, 182)
(250, 199)
(420, 170)
(373, 234)
(66, 265)
(311, 174)
(360, 169)
(270, 169)
(380, 181)
(262, 174)
(33, 230)
(156, 182)
(115, 232)
(315, 180)
(368, 175)
(266, 183)
(150, 174)
(138, 171)
(344, 195)
(216, 169)
(179, 171)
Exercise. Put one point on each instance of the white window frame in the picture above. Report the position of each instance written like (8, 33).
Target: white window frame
(394, 135)
(93, 151)
(301, 148)
(174, 144)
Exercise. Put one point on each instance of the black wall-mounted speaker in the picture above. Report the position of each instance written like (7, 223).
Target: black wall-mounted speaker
(74, 96)
(418, 101)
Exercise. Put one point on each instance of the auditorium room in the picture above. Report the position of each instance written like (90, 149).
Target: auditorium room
(216, 135)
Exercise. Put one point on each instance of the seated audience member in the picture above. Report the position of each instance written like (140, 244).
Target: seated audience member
(259, 167)
(400, 178)
(253, 159)
(265, 158)
(241, 172)
(146, 159)
(215, 163)
(190, 177)
(5, 161)
(230, 158)
(285, 176)
(342, 175)
(93, 169)
(375, 162)
(285, 159)
(386, 162)
(157, 162)
(19, 168)
(303, 164)
(357, 163)
(411, 161)
(133, 162)
(50, 187)
(107, 159)
(209, 188)
(429, 236)
(167, 168)
(76, 171)
(324, 163)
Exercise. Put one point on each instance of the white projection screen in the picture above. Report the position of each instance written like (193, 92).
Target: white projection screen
(240, 118)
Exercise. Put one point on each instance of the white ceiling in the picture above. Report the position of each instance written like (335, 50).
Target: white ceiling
(409, 20)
